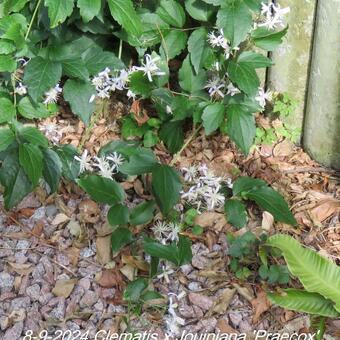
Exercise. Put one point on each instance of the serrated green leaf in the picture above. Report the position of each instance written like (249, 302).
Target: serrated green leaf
(7, 64)
(118, 214)
(304, 302)
(70, 166)
(125, 14)
(41, 75)
(241, 127)
(245, 184)
(267, 39)
(167, 252)
(6, 47)
(213, 116)
(31, 160)
(78, 94)
(119, 238)
(199, 10)
(7, 110)
(236, 213)
(256, 60)
(171, 133)
(142, 213)
(52, 168)
(102, 190)
(32, 135)
(7, 137)
(166, 186)
(140, 163)
(172, 13)
(173, 44)
(188, 80)
(14, 5)
(134, 290)
(89, 9)
(75, 68)
(58, 11)
(31, 110)
(139, 84)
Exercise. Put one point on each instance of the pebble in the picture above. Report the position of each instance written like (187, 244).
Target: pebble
(14, 332)
(20, 302)
(59, 311)
(200, 300)
(33, 292)
(194, 286)
(6, 282)
(89, 299)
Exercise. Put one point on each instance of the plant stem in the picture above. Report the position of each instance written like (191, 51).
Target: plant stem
(188, 95)
(33, 18)
(120, 49)
(186, 144)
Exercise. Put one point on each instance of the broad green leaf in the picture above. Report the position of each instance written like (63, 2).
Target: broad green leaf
(70, 166)
(7, 64)
(52, 168)
(58, 11)
(241, 127)
(304, 302)
(32, 135)
(31, 160)
(30, 110)
(140, 163)
(13, 178)
(139, 84)
(7, 110)
(171, 133)
(134, 290)
(184, 250)
(15, 33)
(171, 12)
(14, 5)
(75, 68)
(214, 2)
(236, 21)
(118, 214)
(142, 213)
(236, 213)
(125, 14)
(188, 80)
(78, 94)
(89, 9)
(267, 39)
(198, 48)
(245, 184)
(316, 273)
(130, 128)
(213, 116)
(119, 238)
(166, 187)
(270, 200)
(199, 10)
(173, 44)
(256, 60)
(245, 76)
(254, 5)
(6, 47)
(7, 21)
(102, 190)
(7, 137)
(41, 75)
(166, 252)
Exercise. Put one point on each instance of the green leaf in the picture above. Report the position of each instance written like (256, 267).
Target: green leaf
(119, 238)
(245, 76)
(245, 184)
(118, 214)
(134, 290)
(241, 127)
(124, 13)
(255, 5)
(213, 116)
(13, 178)
(236, 21)
(256, 60)
(75, 68)
(78, 94)
(31, 159)
(14, 5)
(32, 135)
(7, 110)
(7, 64)
(267, 39)
(304, 302)
(30, 110)
(184, 250)
(6, 47)
(58, 11)
(89, 9)
(52, 168)
(41, 75)
(167, 252)
(140, 85)
(316, 273)
(236, 213)
(142, 213)
(7, 137)
(172, 13)
(171, 133)
(70, 166)
(188, 80)
(173, 44)
(199, 10)
(141, 163)
(198, 48)
(166, 186)
(270, 200)
(102, 190)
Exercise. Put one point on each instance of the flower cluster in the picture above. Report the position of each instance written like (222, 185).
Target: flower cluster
(174, 323)
(263, 96)
(165, 232)
(218, 87)
(205, 189)
(217, 39)
(274, 15)
(106, 166)
(52, 95)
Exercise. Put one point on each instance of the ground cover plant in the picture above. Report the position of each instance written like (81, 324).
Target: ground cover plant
(183, 68)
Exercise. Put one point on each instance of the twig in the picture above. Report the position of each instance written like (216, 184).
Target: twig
(32, 19)
(310, 169)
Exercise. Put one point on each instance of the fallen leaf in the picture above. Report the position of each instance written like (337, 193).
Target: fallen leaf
(21, 268)
(139, 114)
(245, 292)
(225, 328)
(110, 278)
(212, 220)
(89, 211)
(200, 300)
(74, 227)
(283, 149)
(260, 304)
(38, 228)
(326, 209)
(267, 221)
(103, 246)
(223, 301)
(60, 219)
(136, 262)
(64, 287)
(129, 272)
